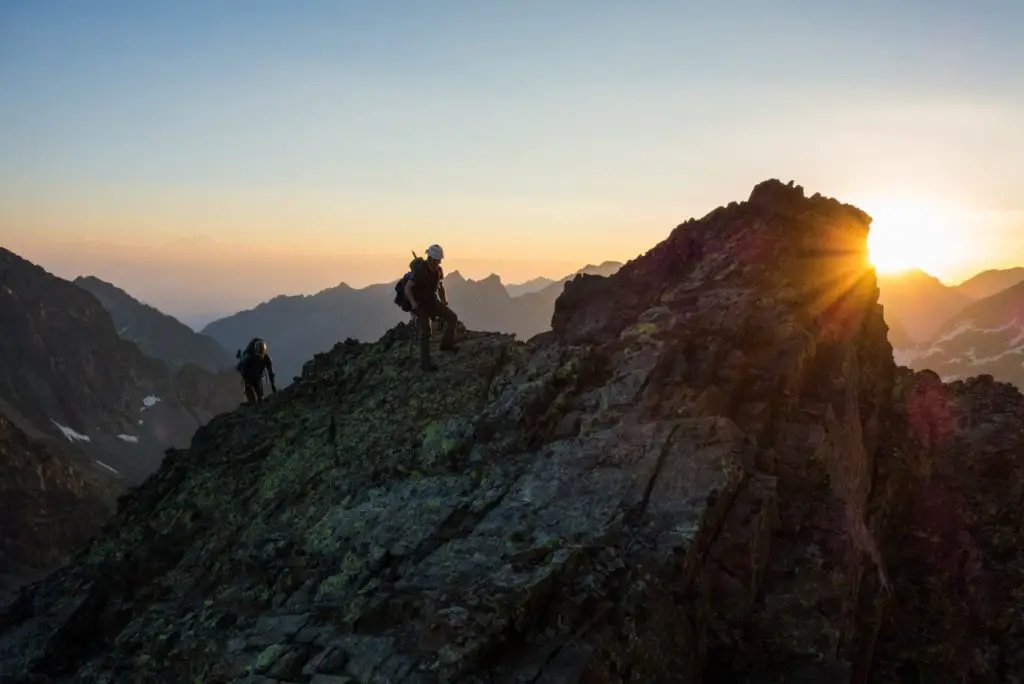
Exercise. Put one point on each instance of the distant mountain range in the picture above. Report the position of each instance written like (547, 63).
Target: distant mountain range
(297, 327)
(919, 301)
(84, 412)
(986, 337)
(158, 335)
(988, 283)
(69, 377)
(529, 287)
(922, 304)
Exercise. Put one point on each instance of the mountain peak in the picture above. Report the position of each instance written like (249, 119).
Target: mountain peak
(779, 238)
(76, 380)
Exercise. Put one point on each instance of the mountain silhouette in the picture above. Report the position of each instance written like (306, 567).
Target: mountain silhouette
(709, 469)
(69, 377)
(298, 326)
(919, 301)
(988, 283)
(528, 287)
(158, 335)
(985, 338)
(605, 268)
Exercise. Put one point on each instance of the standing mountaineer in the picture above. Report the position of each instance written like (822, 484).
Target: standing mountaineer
(421, 291)
(251, 365)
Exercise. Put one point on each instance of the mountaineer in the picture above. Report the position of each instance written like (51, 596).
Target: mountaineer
(421, 291)
(251, 365)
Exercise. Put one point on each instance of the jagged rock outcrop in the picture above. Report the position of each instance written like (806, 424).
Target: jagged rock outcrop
(692, 477)
(158, 335)
(48, 506)
(68, 376)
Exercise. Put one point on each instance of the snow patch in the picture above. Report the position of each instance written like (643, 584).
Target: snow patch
(965, 326)
(105, 466)
(1001, 328)
(128, 438)
(149, 402)
(71, 435)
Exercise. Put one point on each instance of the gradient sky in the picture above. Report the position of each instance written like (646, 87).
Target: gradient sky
(208, 155)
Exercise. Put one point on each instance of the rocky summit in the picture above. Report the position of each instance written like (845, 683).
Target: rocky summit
(710, 469)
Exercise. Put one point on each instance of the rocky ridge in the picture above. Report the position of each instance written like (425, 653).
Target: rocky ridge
(299, 326)
(706, 471)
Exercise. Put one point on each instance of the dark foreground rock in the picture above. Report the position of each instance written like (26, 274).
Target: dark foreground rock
(48, 506)
(696, 476)
(957, 533)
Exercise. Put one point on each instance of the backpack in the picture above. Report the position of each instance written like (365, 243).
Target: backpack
(400, 299)
(243, 357)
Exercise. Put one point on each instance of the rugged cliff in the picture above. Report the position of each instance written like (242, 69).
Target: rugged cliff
(702, 473)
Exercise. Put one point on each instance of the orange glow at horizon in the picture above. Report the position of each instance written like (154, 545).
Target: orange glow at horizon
(909, 234)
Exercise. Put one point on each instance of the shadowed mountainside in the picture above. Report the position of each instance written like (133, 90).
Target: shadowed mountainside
(985, 338)
(708, 470)
(48, 506)
(158, 335)
(68, 376)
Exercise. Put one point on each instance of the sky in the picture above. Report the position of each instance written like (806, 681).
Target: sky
(207, 156)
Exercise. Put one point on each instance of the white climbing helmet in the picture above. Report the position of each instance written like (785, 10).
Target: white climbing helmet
(435, 252)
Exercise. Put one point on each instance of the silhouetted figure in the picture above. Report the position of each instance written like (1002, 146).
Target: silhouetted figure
(252, 363)
(422, 292)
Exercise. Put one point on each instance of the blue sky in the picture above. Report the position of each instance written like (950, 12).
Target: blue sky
(526, 135)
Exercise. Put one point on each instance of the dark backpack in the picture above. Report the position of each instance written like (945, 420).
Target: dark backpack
(400, 299)
(243, 357)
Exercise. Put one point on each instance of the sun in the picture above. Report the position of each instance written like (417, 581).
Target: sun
(909, 234)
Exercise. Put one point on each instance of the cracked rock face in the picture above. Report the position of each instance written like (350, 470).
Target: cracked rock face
(679, 483)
